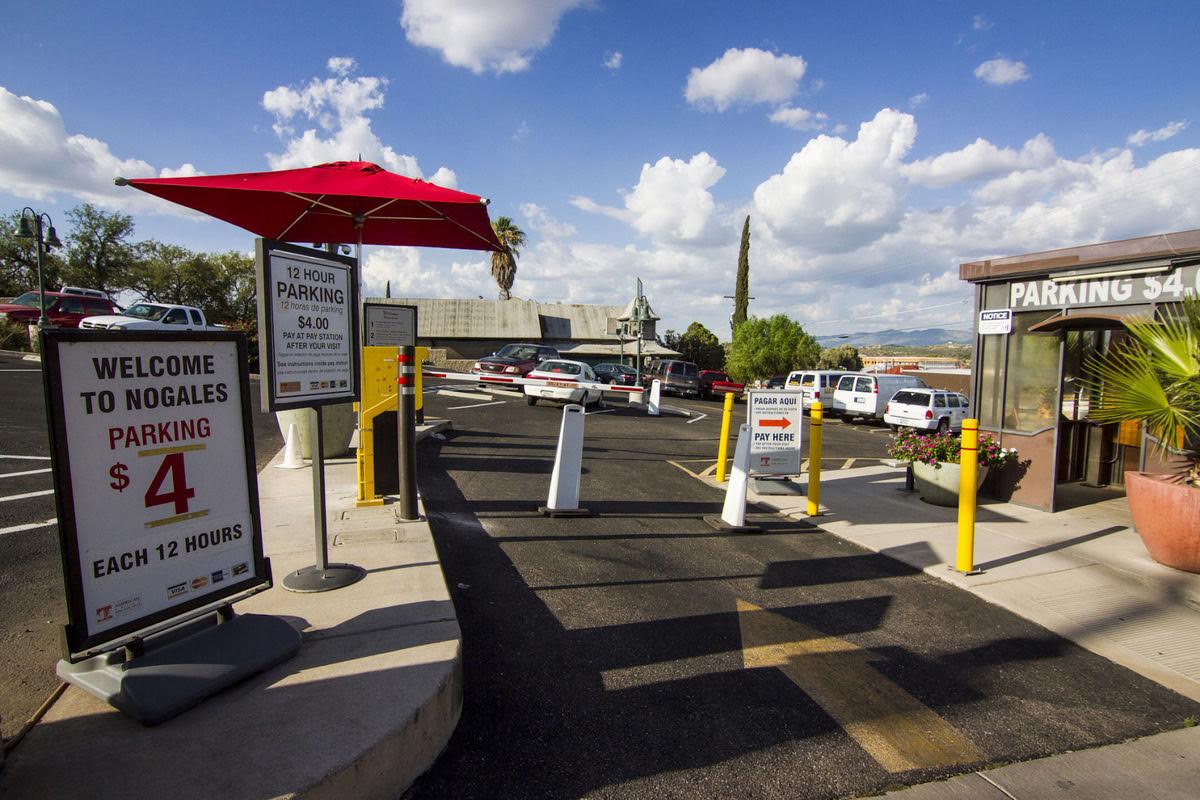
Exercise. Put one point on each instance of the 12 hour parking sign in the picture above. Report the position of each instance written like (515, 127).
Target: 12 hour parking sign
(158, 506)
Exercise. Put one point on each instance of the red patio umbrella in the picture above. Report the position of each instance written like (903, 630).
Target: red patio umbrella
(339, 202)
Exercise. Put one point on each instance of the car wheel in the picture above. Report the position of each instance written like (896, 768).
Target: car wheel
(530, 400)
(943, 425)
(895, 428)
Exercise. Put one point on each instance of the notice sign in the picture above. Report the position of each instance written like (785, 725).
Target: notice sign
(307, 326)
(995, 321)
(775, 438)
(154, 476)
(387, 325)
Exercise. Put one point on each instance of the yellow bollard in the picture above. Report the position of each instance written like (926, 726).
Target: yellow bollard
(968, 470)
(815, 423)
(723, 448)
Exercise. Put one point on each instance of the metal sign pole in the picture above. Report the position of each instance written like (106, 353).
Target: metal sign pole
(406, 431)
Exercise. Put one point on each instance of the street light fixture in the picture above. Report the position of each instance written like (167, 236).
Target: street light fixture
(44, 244)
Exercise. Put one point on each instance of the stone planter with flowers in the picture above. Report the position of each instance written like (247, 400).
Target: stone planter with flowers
(935, 462)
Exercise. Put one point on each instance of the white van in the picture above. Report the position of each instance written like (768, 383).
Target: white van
(815, 384)
(860, 394)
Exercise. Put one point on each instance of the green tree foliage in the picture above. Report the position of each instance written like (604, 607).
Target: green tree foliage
(99, 253)
(741, 294)
(775, 346)
(18, 261)
(700, 345)
(844, 356)
(504, 264)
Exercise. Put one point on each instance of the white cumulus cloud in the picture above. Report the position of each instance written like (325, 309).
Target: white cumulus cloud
(614, 60)
(980, 160)
(1139, 138)
(541, 221)
(800, 119)
(341, 65)
(671, 201)
(337, 108)
(484, 35)
(1002, 72)
(39, 158)
(835, 195)
(744, 77)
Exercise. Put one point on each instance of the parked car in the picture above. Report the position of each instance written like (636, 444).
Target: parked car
(83, 291)
(63, 310)
(714, 383)
(513, 360)
(619, 374)
(927, 410)
(151, 317)
(677, 377)
(816, 384)
(775, 382)
(859, 394)
(564, 377)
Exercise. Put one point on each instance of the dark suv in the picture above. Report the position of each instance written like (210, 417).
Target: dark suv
(514, 360)
(677, 377)
(62, 310)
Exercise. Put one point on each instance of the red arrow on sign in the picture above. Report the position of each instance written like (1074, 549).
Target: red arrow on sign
(782, 422)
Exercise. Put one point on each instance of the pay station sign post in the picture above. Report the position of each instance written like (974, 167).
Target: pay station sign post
(774, 417)
(309, 355)
(157, 497)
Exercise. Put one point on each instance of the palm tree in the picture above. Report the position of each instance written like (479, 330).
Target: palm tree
(1155, 376)
(504, 263)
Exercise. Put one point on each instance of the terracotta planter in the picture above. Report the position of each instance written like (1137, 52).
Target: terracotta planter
(938, 483)
(1167, 517)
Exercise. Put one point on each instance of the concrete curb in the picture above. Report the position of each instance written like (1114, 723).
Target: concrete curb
(363, 709)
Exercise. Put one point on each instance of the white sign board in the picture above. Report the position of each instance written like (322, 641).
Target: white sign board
(308, 326)
(387, 325)
(995, 321)
(774, 416)
(153, 465)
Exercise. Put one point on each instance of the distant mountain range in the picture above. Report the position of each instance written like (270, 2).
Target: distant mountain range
(927, 337)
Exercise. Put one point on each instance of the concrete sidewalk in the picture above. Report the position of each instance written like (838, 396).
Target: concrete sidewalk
(364, 708)
(1083, 574)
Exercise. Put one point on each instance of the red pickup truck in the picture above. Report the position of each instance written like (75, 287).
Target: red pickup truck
(714, 383)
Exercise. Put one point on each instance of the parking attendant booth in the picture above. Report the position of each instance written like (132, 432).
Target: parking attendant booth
(1040, 319)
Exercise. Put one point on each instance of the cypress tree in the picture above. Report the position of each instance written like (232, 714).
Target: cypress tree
(741, 295)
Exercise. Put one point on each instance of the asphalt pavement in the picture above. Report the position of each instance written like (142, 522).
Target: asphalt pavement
(32, 605)
(641, 653)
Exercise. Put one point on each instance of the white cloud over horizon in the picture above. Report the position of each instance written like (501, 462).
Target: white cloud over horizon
(496, 36)
(1142, 136)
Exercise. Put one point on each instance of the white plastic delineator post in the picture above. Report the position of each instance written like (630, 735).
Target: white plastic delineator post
(568, 461)
(291, 452)
(733, 513)
(655, 397)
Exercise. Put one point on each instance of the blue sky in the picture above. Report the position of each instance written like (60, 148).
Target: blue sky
(874, 145)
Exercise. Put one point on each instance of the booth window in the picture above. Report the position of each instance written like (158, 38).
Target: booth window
(991, 380)
(1031, 396)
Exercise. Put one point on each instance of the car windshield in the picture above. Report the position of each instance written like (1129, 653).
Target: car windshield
(29, 300)
(559, 367)
(518, 351)
(146, 311)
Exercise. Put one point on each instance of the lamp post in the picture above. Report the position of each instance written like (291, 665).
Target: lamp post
(43, 244)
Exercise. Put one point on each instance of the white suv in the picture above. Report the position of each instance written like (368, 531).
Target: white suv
(927, 409)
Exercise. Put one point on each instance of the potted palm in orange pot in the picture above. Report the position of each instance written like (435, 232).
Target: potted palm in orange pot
(1154, 377)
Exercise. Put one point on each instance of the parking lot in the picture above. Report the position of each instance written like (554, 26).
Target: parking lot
(639, 652)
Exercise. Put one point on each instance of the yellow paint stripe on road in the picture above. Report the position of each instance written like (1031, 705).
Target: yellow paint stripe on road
(895, 728)
(682, 467)
(849, 463)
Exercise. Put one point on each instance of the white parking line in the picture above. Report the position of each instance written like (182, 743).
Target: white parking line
(594, 413)
(466, 395)
(477, 405)
(19, 370)
(32, 526)
(849, 463)
(27, 458)
(26, 495)
(26, 472)
(697, 419)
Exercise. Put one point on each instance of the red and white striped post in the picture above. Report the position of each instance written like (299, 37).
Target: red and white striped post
(406, 431)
